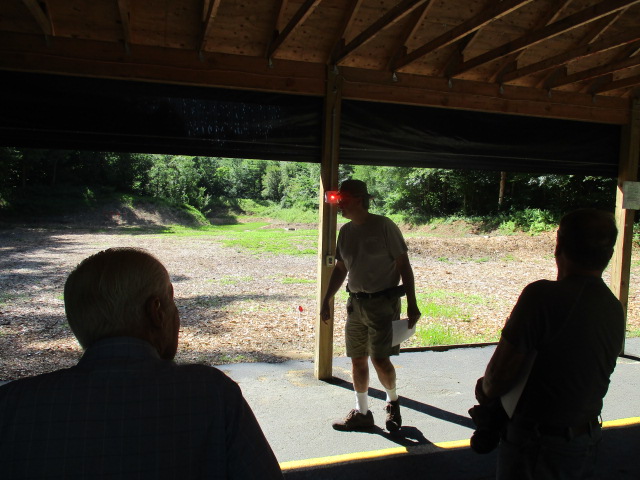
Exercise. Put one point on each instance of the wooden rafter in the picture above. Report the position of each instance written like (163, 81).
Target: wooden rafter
(41, 16)
(401, 10)
(209, 13)
(574, 54)
(598, 28)
(417, 18)
(457, 57)
(601, 25)
(628, 82)
(483, 18)
(548, 16)
(592, 73)
(298, 18)
(347, 24)
(124, 7)
(571, 22)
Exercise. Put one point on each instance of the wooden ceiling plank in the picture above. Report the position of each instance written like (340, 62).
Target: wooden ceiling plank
(398, 12)
(41, 17)
(571, 22)
(548, 16)
(210, 13)
(416, 19)
(298, 18)
(592, 73)
(486, 16)
(574, 54)
(124, 7)
(598, 28)
(347, 24)
(601, 25)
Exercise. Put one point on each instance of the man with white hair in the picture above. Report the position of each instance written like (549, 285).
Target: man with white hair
(126, 410)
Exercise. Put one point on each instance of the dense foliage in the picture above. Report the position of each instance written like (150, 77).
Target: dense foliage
(206, 183)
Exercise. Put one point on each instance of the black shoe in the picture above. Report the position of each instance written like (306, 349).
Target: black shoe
(394, 419)
(355, 421)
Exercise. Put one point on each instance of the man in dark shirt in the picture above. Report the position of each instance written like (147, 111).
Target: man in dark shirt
(570, 331)
(126, 410)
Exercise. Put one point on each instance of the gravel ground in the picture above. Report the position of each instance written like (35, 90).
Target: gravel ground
(236, 306)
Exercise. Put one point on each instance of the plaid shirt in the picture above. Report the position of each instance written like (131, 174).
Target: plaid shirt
(124, 413)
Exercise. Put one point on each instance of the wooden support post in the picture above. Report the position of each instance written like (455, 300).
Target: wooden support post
(628, 171)
(328, 220)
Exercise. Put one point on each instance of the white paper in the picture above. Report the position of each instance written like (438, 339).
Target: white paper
(401, 331)
(510, 399)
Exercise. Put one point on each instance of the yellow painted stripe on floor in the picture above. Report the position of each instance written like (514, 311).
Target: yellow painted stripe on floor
(623, 422)
(350, 457)
(347, 457)
(453, 444)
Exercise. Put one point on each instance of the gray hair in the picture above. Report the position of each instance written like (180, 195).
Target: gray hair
(105, 295)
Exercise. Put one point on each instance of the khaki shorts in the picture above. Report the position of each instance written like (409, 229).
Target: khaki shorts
(369, 332)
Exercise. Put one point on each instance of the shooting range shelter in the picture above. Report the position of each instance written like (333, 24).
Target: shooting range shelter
(519, 85)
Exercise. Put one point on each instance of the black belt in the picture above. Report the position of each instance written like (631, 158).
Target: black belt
(555, 430)
(398, 291)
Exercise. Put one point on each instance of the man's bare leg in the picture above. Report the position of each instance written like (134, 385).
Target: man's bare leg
(359, 418)
(387, 376)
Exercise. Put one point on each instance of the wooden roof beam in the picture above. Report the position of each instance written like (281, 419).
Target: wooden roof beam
(401, 10)
(574, 54)
(124, 7)
(209, 13)
(416, 19)
(298, 18)
(347, 25)
(602, 25)
(457, 57)
(497, 10)
(592, 73)
(548, 16)
(626, 53)
(39, 11)
(628, 82)
(571, 22)
(598, 28)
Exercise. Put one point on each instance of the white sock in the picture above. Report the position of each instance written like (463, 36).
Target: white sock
(362, 402)
(392, 396)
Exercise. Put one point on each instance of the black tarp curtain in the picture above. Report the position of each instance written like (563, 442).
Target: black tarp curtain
(52, 111)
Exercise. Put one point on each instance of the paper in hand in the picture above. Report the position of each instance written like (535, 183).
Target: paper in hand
(401, 331)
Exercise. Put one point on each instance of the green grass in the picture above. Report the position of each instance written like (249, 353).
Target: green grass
(238, 358)
(443, 305)
(633, 333)
(253, 237)
(293, 280)
(6, 298)
(436, 334)
(234, 280)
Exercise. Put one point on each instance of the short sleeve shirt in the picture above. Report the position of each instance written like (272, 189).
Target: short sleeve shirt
(369, 252)
(576, 326)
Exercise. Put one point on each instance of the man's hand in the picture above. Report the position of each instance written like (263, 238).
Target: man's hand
(325, 311)
(481, 397)
(413, 314)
